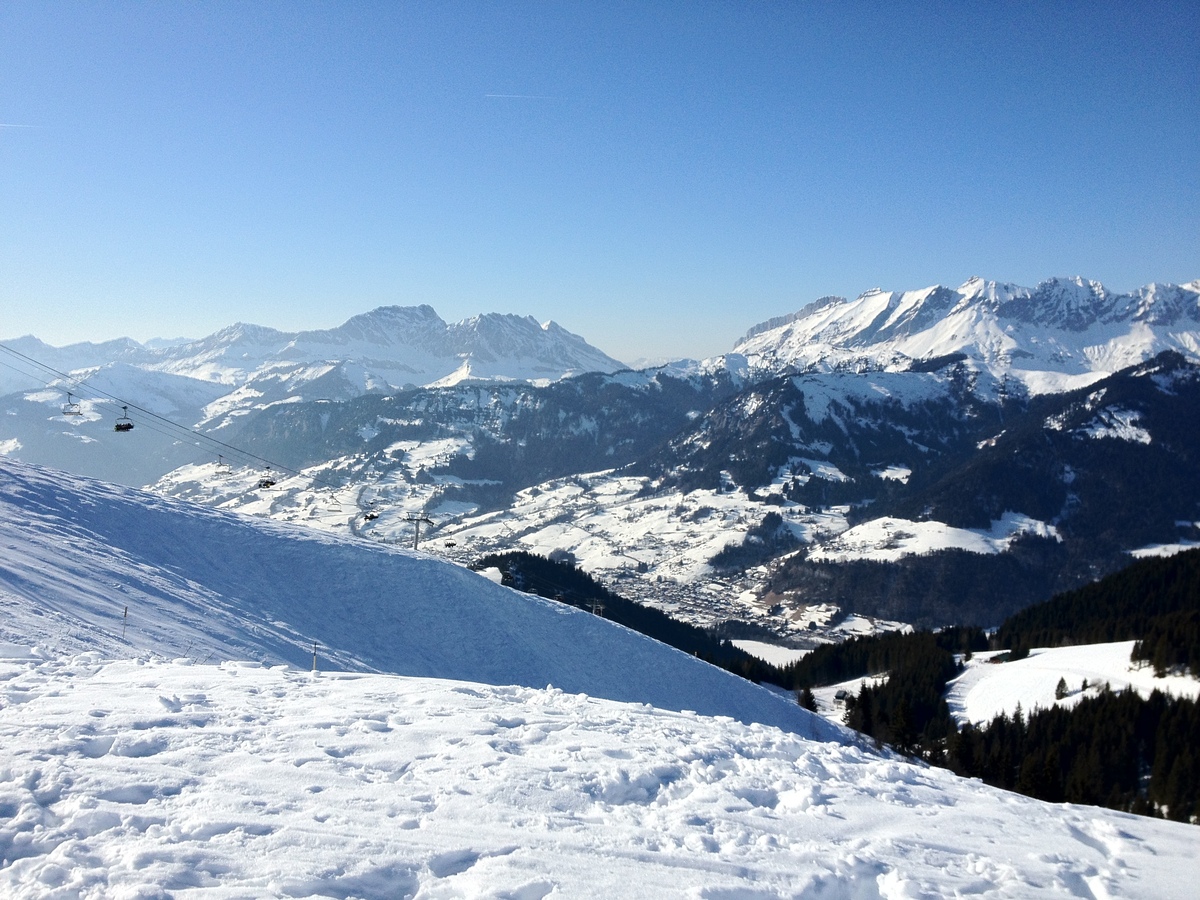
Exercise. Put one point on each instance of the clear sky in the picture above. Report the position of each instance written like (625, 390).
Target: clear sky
(657, 177)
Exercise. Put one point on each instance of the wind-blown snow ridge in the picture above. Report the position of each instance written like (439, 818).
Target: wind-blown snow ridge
(1061, 334)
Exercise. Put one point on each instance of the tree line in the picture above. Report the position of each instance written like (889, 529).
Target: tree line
(1115, 749)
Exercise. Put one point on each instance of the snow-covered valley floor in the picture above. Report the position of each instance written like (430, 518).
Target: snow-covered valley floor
(154, 779)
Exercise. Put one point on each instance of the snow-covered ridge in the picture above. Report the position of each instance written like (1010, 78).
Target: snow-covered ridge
(398, 345)
(1058, 335)
(88, 566)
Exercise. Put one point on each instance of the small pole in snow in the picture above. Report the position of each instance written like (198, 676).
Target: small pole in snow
(314, 668)
(124, 622)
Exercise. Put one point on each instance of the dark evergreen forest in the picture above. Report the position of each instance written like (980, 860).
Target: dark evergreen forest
(1111, 749)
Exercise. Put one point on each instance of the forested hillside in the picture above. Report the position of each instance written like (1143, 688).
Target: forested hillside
(1116, 749)
(1153, 601)
(1112, 468)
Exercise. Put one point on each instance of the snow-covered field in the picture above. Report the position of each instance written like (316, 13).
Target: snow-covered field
(151, 779)
(887, 539)
(987, 689)
(772, 653)
(458, 740)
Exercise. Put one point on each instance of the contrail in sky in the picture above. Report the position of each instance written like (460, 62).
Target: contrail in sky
(519, 97)
(7, 125)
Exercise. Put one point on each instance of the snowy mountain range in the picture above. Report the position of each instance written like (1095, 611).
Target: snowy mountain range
(862, 427)
(164, 736)
(382, 350)
(1062, 334)
(784, 504)
(202, 384)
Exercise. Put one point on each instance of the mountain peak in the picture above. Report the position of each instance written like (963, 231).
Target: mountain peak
(1066, 326)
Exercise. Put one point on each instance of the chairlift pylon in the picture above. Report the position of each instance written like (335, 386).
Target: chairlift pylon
(71, 408)
(124, 423)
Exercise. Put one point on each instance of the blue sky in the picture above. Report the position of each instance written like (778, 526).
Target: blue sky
(656, 177)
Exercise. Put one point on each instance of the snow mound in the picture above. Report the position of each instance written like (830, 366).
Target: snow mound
(888, 539)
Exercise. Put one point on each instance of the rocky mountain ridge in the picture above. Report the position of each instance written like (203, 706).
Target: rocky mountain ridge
(393, 345)
(1062, 334)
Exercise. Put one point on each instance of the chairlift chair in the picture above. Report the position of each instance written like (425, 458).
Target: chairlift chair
(223, 468)
(267, 480)
(124, 423)
(71, 408)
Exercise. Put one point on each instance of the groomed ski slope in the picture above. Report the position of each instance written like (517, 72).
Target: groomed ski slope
(214, 586)
(130, 769)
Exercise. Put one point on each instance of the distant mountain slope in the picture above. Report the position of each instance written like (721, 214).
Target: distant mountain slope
(90, 566)
(1063, 333)
(208, 383)
(904, 496)
(1085, 477)
(397, 345)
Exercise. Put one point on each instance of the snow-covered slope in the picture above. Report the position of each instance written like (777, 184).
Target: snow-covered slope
(1062, 334)
(157, 779)
(499, 772)
(87, 566)
(987, 689)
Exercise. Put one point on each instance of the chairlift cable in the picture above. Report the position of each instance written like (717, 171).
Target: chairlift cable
(146, 412)
(177, 429)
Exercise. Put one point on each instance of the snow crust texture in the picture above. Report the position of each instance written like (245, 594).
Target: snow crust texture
(164, 779)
